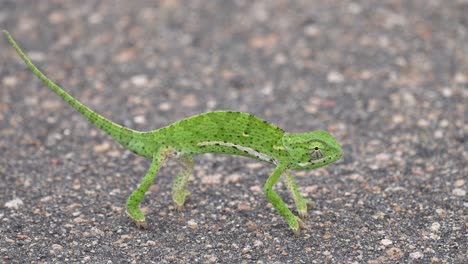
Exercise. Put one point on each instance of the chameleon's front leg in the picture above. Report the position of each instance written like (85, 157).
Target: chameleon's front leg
(135, 198)
(179, 186)
(294, 222)
(301, 202)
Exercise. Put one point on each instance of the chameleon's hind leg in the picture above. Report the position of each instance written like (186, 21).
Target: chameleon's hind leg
(179, 186)
(301, 202)
(135, 198)
(294, 221)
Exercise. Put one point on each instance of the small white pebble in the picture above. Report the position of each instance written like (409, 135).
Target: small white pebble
(444, 123)
(139, 119)
(150, 243)
(354, 8)
(256, 189)
(416, 255)
(166, 106)
(335, 77)
(139, 80)
(56, 248)
(14, 204)
(386, 242)
(382, 157)
(397, 119)
(46, 199)
(435, 227)
(447, 92)
(95, 18)
(192, 224)
(438, 134)
(211, 179)
(211, 104)
(255, 165)
(458, 192)
(461, 78)
(258, 243)
(441, 213)
(234, 178)
(459, 183)
(280, 59)
(423, 123)
(10, 81)
(102, 147)
(311, 31)
(189, 100)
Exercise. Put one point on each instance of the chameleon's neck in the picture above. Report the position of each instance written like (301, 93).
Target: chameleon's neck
(125, 136)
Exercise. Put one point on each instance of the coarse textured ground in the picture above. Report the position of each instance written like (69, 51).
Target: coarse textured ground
(387, 78)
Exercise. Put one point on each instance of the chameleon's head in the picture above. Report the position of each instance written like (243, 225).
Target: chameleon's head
(311, 150)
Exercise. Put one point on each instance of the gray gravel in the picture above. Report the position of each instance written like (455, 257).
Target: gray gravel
(387, 78)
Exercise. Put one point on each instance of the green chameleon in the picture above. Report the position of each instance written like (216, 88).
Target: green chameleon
(225, 132)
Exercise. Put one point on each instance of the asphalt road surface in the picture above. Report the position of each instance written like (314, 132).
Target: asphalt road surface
(387, 78)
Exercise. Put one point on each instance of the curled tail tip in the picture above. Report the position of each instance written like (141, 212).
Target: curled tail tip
(8, 35)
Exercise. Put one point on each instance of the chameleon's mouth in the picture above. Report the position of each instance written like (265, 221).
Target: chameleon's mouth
(324, 160)
(312, 162)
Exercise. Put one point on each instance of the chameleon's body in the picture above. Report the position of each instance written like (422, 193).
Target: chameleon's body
(224, 132)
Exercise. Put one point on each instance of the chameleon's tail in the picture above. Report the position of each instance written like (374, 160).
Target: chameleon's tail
(121, 134)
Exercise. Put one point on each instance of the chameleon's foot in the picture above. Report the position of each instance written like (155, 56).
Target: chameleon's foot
(304, 204)
(141, 224)
(139, 220)
(137, 216)
(303, 215)
(179, 207)
(179, 199)
(296, 225)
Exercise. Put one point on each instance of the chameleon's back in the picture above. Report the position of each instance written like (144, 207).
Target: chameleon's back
(225, 132)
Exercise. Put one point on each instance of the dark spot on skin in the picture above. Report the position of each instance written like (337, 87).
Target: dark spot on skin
(234, 147)
(217, 144)
(246, 151)
(316, 148)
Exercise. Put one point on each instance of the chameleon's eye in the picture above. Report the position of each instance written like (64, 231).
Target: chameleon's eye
(316, 154)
